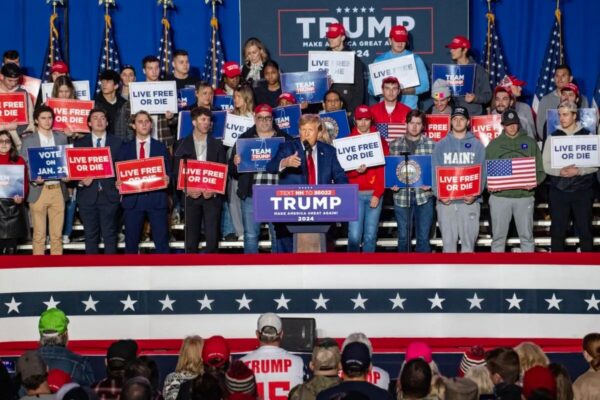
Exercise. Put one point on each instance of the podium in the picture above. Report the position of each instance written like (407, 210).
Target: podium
(307, 210)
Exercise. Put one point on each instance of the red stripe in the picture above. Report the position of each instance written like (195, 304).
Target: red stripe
(242, 345)
(301, 260)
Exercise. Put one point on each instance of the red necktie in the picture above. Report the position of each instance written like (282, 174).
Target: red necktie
(142, 150)
(312, 176)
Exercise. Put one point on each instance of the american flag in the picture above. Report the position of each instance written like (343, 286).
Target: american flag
(165, 50)
(391, 131)
(552, 58)
(493, 54)
(513, 173)
(53, 53)
(109, 53)
(208, 75)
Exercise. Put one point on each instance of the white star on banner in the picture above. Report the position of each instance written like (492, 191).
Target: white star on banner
(13, 306)
(320, 302)
(167, 303)
(398, 302)
(363, 10)
(437, 301)
(128, 304)
(282, 302)
(371, 9)
(244, 302)
(553, 302)
(347, 9)
(592, 303)
(51, 303)
(359, 302)
(475, 301)
(90, 304)
(205, 302)
(338, 10)
(514, 302)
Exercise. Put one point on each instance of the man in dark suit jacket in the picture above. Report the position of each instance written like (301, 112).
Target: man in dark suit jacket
(305, 161)
(154, 204)
(98, 199)
(201, 207)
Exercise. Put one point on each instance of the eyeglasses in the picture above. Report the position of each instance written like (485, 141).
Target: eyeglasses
(7, 141)
(264, 119)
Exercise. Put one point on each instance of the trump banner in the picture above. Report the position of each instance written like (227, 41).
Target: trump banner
(185, 127)
(336, 124)
(287, 118)
(235, 125)
(302, 203)
(89, 162)
(587, 117)
(339, 65)
(255, 153)
(580, 151)
(48, 163)
(70, 115)
(12, 179)
(454, 183)
(486, 127)
(460, 78)
(223, 102)
(354, 151)
(305, 86)
(82, 90)
(138, 176)
(436, 126)
(154, 97)
(414, 174)
(202, 175)
(13, 108)
(403, 68)
(186, 97)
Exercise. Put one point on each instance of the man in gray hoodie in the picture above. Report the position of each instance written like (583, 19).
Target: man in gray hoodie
(459, 218)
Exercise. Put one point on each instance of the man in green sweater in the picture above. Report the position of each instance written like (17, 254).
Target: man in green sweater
(513, 196)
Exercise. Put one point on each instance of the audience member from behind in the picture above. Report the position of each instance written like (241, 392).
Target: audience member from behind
(118, 357)
(356, 364)
(324, 364)
(481, 376)
(240, 382)
(34, 376)
(503, 364)
(147, 368)
(377, 376)
(54, 335)
(57, 379)
(587, 386)
(473, 357)
(189, 365)
(564, 385)
(137, 388)
(276, 370)
(530, 355)
(415, 381)
(539, 384)
(460, 389)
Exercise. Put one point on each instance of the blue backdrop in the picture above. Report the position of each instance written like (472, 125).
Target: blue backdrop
(524, 27)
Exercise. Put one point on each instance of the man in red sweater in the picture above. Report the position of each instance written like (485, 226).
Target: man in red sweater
(371, 186)
(390, 110)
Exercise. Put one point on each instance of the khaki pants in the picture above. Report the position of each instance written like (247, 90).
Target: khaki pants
(51, 203)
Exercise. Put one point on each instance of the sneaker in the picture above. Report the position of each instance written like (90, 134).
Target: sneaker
(231, 237)
(175, 218)
(66, 239)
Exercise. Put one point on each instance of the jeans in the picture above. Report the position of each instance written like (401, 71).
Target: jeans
(421, 219)
(365, 228)
(71, 207)
(252, 229)
(226, 223)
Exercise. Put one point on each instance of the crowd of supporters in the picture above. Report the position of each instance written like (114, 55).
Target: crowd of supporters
(48, 209)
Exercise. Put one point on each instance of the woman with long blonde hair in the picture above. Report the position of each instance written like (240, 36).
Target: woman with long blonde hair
(189, 366)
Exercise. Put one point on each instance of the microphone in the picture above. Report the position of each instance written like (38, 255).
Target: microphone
(307, 147)
(405, 153)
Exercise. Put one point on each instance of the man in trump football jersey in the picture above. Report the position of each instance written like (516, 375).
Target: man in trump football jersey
(276, 370)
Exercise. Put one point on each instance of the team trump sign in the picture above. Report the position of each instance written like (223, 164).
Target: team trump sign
(458, 182)
(144, 175)
(89, 162)
(202, 175)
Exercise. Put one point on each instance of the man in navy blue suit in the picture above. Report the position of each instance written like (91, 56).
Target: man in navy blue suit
(201, 206)
(98, 199)
(305, 161)
(154, 204)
